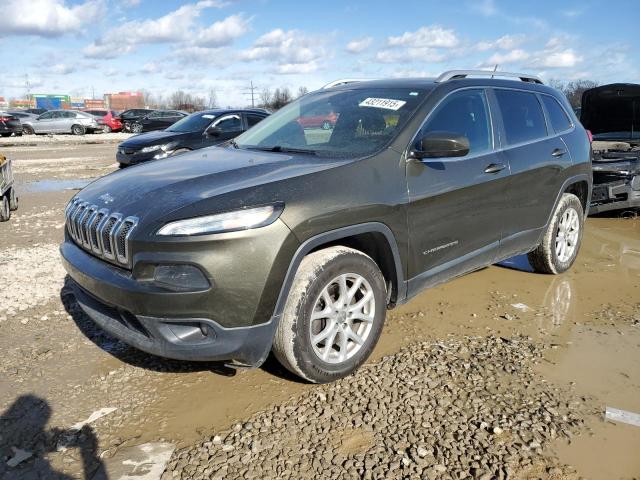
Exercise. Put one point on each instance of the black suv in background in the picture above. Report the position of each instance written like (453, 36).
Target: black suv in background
(131, 116)
(612, 114)
(157, 120)
(298, 240)
(198, 130)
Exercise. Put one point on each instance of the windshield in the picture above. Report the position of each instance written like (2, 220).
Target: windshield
(342, 123)
(196, 122)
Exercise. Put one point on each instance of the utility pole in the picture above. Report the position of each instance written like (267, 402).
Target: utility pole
(251, 91)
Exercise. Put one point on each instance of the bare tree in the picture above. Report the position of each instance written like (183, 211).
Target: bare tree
(213, 98)
(573, 90)
(281, 96)
(302, 91)
(181, 100)
(265, 98)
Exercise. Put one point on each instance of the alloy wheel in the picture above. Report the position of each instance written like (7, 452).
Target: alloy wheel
(567, 234)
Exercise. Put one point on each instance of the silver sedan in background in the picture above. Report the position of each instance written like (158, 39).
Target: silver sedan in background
(61, 121)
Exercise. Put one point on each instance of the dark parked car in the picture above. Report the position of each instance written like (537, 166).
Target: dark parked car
(22, 115)
(157, 120)
(612, 114)
(131, 116)
(9, 125)
(288, 240)
(198, 130)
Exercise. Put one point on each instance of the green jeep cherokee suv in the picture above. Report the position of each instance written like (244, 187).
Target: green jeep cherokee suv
(296, 239)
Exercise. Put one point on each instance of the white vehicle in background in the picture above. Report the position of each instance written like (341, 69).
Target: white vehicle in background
(61, 121)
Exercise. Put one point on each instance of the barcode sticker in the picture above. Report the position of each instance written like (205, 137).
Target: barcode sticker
(386, 103)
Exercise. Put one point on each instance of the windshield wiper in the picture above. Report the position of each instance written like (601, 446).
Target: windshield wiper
(280, 148)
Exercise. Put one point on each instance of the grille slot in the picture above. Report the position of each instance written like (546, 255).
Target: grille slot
(103, 233)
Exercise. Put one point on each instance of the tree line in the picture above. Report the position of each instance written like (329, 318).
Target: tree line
(573, 90)
(181, 100)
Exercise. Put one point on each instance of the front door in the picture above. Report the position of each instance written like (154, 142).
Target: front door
(456, 204)
(227, 127)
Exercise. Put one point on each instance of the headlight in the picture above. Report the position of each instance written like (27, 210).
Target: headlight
(152, 148)
(224, 222)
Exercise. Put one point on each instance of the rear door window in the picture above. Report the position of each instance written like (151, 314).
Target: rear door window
(253, 119)
(521, 115)
(559, 119)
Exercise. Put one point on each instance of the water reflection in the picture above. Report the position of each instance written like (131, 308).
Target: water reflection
(558, 300)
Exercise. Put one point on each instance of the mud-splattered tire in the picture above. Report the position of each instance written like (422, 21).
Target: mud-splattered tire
(561, 242)
(77, 129)
(5, 211)
(13, 199)
(27, 130)
(338, 292)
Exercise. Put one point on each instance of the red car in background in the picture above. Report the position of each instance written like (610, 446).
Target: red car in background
(107, 118)
(324, 119)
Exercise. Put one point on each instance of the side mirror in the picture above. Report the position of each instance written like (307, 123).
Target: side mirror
(213, 131)
(441, 145)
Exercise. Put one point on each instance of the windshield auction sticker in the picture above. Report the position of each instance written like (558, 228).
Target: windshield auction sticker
(386, 103)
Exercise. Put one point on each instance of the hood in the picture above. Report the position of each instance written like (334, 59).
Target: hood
(191, 184)
(153, 138)
(612, 111)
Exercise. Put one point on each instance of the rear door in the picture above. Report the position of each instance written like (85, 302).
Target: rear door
(456, 204)
(536, 156)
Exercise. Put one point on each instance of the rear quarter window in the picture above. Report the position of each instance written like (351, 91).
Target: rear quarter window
(521, 115)
(558, 117)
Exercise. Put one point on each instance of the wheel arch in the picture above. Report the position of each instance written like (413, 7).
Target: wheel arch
(373, 238)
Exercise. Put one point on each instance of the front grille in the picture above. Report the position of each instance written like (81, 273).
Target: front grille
(101, 232)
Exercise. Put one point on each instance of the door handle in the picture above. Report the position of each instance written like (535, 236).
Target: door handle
(558, 152)
(495, 168)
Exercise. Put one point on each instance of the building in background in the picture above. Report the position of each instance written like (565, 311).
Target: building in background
(77, 102)
(51, 101)
(91, 103)
(124, 100)
(23, 103)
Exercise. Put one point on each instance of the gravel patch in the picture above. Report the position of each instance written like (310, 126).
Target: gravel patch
(30, 277)
(470, 408)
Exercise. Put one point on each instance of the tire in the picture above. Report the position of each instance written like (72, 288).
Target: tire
(13, 200)
(562, 239)
(77, 129)
(106, 129)
(5, 134)
(122, 165)
(136, 128)
(318, 278)
(27, 130)
(5, 211)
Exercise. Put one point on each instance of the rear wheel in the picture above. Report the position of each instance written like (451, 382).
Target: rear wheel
(5, 134)
(106, 129)
(77, 129)
(561, 241)
(27, 130)
(13, 199)
(5, 211)
(333, 316)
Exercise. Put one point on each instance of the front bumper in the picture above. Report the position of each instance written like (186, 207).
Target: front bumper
(616, 184)
(195, 339)
(134, 158)
(233, 319)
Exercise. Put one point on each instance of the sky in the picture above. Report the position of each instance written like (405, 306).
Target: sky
(86, 48)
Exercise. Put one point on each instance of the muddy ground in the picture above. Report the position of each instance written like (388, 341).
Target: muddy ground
(501, 373)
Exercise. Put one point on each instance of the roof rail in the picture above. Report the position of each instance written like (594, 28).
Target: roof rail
(456, 74)
(343, 81)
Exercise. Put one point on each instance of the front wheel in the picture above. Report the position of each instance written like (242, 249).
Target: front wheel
(136, 127)
(106, 129)
(561, 242)
(27, 130)
(77, 130)
(5, 211)
(333, 316)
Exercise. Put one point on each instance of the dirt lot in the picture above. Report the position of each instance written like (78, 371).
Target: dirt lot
(499, 374)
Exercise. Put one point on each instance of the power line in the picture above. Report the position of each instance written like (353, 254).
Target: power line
(251, 91)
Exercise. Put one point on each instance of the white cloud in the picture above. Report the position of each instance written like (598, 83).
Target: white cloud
(410, 55)
(506, 42)
(557, 59)
(485, 7)
(433, 36)
(223, 32)
(47, 18)
(63, 69)
(359, 45)
(293, 50)
(173, 27)
(513, 56)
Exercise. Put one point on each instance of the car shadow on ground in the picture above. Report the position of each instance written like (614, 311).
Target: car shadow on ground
(519, 262)
(25, 440)
(140, 359)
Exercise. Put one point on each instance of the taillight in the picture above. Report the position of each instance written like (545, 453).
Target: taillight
(590, 136)
(5, 119)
